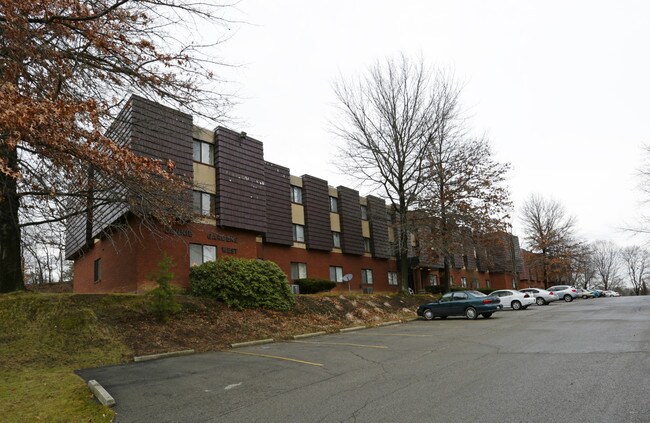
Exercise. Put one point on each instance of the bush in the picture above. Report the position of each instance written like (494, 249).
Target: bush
(242, 283)
(164, 304)
(435, 289)
(486, 291)
(313, 286)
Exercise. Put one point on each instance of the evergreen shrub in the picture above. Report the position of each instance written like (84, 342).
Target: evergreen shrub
(314, 285)
(242, 283)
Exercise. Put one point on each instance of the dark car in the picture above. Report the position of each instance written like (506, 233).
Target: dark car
(461, 303)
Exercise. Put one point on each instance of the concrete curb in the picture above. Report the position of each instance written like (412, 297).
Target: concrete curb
(352, 329)
(102, 394)
(394, 322)
(249, 343)
(410, 319)
(162, 355)
(309, 335)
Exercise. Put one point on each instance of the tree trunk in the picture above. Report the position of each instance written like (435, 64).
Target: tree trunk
(446, 275)
(11, 273)
(403, 251)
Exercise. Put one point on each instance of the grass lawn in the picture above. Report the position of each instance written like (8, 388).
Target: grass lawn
(44, 338)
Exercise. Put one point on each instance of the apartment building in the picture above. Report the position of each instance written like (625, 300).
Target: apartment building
(245, 206)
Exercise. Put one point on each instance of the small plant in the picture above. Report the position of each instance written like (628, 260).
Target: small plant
(313, 286)
(164, 304)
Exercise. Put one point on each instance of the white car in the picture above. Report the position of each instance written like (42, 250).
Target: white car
(542, 296)
(585, 293)
(567, 292)
(514, 299)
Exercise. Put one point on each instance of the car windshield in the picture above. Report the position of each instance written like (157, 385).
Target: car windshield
(476, 294)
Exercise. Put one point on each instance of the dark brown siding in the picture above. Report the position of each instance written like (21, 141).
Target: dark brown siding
(350, 212)
(315, 198)
(163, 133)
(241, 195)
(378, 227)
(278, 205)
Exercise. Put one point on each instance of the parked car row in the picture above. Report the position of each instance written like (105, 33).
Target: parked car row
(471, 304)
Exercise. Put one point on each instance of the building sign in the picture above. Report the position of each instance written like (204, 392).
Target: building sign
(180, 232)
(220, 237)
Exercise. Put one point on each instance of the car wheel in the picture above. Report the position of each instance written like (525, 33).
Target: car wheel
(516, 305)
(568, 298)
(428, 314)
(443, 317)
(487, 315)
(525, 307)
(540, 301)
(584, 297)
(470, 313)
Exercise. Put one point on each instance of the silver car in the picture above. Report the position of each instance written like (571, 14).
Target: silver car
(567, 292)
(542, 296)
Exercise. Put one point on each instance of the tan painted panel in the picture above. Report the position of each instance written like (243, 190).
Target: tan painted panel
(297, 214)
(333, 192)
(295, 180)
(365, 228)
(391, 234)
(363, 201)
(300, 245)
(202, 134)
(335, 222)
(204, 178)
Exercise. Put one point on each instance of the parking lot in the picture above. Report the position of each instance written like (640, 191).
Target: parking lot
(584, 361)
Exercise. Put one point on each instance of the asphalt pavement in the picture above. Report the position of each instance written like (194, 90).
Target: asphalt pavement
(585, 361)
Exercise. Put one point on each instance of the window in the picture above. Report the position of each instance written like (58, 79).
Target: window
(366, 245)
(477, 285)
(433, 280)
(203, 203)
(366, 276)
(97, 270)
(296, 194)
(451, 281)
(299, 233)
(459, 296)
(364, 212)
(334, 205)
(203, 152)
(392, 278)
(336, 239)
(298, 270)
(487, 283)
(200, 254)
(336, 274)
(514, 284)
(463, 282)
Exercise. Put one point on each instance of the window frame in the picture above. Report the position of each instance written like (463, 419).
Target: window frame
(395, 277)
(364, 211)
(97, 270)
(298, 266)
(336, 269)
(334, 204)
(298, 230)
(296, 194)
(336, 239)
(204, 248)
(364, 277)
(202, 210)
(201, 152)
(366, 245)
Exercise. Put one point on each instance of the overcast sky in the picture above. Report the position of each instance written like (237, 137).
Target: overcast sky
(561, 88)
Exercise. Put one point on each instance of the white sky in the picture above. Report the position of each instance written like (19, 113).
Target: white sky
(561, 88)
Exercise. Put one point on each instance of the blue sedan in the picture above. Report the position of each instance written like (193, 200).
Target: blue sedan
(461, 303)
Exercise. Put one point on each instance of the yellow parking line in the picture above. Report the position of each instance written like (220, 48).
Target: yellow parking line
(277, 358)
(340, 343)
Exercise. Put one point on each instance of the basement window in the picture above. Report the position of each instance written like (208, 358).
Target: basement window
(97, 272)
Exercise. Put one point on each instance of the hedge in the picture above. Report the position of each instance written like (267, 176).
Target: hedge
(313, 285)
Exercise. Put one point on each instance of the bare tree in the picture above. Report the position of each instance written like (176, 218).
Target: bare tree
(606, 261)
(66, 66)
(389, 119)
(637, 262)
(548, 231)
(464, 193)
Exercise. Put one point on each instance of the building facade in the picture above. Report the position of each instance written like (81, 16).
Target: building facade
(246, 207)
(250, 208)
